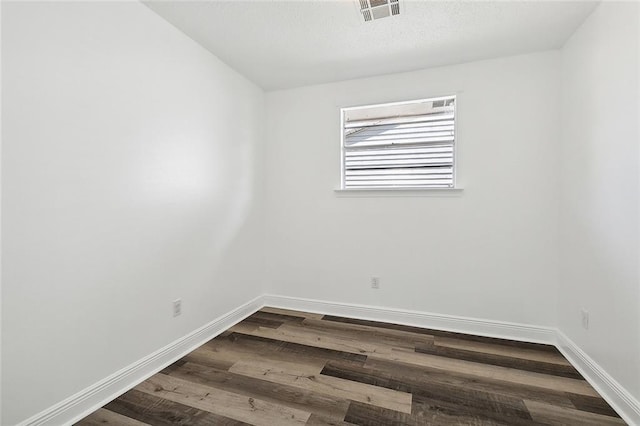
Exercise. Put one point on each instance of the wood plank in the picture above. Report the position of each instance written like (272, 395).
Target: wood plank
(281, 317)
(246, 409)
(552, 415)
(410, 373)
(501, 360)
(393, 338)
(233, 352)
(464, 405)
(283, 367)
(370, 415)
(327, 406)
(206, 357)
(263, 345)
(432, 332)
(262, 322)
(162, 412)
(104, 417)
(497, 349)
(445, 412)
(297, 375)
(326, 340)
(272, 310)
(363, 414)
(592, 404)
(488, 404)
(492, 371)
(317, 420)
(371, 376)
(243, 327)
(366, 329)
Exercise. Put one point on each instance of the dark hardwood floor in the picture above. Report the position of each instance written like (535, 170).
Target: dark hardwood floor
(282, 367)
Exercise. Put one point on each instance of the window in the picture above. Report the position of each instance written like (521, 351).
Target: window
(399, 145)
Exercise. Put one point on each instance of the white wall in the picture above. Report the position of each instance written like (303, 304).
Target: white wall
(130, 177)
(599, 232)
(490, 252)
(133, 174)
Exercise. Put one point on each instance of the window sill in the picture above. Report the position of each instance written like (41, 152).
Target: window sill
(400, 192)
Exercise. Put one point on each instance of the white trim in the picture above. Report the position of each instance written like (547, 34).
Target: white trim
(399, 192)
(392, 104)
(90, 399)
(95, 396)
(613, 392)
(480, 327)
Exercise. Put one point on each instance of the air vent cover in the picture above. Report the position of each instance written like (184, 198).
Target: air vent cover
(377, 9)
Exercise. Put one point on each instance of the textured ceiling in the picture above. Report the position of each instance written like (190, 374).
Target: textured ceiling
(283, 44)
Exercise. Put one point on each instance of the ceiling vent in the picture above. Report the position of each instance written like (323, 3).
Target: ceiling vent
(378, 9)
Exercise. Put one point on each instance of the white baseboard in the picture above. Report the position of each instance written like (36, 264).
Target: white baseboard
(613, 392)
(619, 398)
(480, 327)
(90, 399)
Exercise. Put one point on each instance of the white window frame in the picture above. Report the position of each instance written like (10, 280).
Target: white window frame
(372, 189)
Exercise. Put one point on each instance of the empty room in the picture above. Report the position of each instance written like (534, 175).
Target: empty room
(320, 212)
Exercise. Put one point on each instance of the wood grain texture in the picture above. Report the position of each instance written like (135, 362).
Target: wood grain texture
(223, 403)
(294, 375)
(329, 406)
(440, 333)
(497, 349)
(158, 411)
(555, 369)
(107, 417)
(552, 415)
(283, 367)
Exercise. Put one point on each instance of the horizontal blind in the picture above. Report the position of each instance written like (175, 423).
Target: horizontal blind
(396, 150)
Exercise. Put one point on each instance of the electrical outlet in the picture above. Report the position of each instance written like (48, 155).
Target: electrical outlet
(585, 318)
(177, 307)
(375, 282)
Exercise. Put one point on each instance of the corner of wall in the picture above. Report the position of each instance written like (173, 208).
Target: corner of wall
(86, 401)
(608, 387)
(598, 222)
